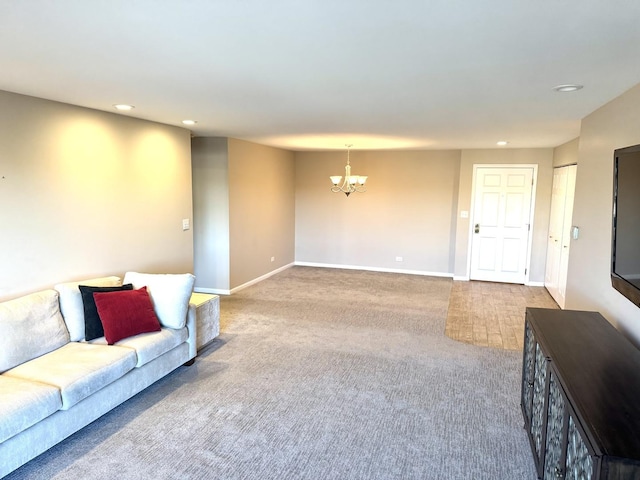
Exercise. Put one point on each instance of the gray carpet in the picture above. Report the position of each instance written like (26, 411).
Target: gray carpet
(318, 374)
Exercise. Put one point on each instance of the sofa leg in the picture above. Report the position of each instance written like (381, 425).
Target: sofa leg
(190, 362)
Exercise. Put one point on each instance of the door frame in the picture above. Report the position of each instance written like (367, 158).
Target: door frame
(534, 188)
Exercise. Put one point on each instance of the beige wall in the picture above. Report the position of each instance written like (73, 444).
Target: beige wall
(408, 210)
(261, 210)
(86, 193)
(210, 165)
(566, 154)
(615, 125)
(543, 157)
(244, 212)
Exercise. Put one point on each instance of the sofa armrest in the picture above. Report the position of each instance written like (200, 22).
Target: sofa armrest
(191, 327)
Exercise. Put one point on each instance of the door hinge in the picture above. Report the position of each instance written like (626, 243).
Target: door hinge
(525, 271)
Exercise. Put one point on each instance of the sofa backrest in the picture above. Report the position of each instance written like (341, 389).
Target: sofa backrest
(30, 326)
(71, 304)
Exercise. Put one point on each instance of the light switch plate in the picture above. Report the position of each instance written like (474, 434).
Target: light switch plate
(185, 224)
(575, 232)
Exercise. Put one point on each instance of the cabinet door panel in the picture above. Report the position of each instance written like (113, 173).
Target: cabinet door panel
(538, 404)
(579, 464)
(528, 373)
(557, 417)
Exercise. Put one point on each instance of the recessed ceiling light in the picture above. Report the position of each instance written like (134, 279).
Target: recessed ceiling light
(569, 87)
(123, 107)
(502, 143)
(189, 122)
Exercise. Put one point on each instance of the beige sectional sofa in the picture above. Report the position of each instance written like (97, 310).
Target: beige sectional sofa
(53, 381)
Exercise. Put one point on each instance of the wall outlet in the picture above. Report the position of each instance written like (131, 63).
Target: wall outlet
(399, 259)
(273, 259)
(185, 224)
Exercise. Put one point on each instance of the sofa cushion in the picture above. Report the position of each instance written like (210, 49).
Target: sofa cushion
(71, 303)
(77, 369)
(126, 313)
(149, 346)
(170, 294)
(30, 326)
(92, 323)
(24, 403)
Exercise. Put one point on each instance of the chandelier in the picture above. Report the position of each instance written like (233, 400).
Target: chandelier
(351, 183)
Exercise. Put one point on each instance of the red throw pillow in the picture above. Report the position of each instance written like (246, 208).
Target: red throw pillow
(126, 313)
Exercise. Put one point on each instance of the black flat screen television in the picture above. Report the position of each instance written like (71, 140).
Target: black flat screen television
(625, 238)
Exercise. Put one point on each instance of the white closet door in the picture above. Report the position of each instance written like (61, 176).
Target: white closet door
(559, 242)
(566, 235)
(554, 243)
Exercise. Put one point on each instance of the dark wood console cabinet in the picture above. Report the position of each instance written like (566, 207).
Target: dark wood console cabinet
(580, 396)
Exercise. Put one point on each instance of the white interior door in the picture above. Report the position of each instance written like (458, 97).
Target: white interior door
(502, 213)
(559, 244)
(566, 235)
(554, 242)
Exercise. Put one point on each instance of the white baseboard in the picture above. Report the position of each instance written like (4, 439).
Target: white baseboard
(259, 279)
(220, 291)
(214, 291)
(374, 269)
(467, 279)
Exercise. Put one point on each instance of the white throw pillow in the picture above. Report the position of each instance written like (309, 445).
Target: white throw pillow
(169, 293)
(71, 304)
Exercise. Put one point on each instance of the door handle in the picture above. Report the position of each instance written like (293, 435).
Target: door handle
(477, 228)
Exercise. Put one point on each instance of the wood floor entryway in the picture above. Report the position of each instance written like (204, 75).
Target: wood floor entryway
(491, 314)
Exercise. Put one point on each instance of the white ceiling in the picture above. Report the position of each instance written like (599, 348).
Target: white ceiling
(316, 74)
